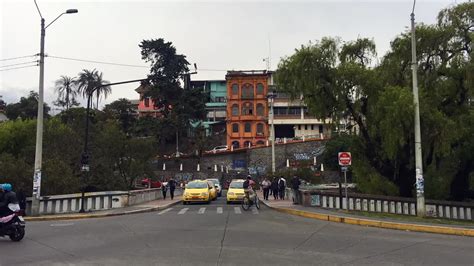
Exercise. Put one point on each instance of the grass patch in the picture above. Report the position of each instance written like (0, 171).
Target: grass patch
(409, 218)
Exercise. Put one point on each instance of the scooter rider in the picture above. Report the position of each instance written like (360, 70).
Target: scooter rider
(8, 197)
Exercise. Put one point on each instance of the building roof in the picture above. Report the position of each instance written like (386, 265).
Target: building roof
(239, 73)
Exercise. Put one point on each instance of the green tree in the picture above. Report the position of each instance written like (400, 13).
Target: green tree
(26, 108)
(123, 111)
(88, 80)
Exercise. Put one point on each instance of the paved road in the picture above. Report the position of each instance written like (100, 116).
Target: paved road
(218, 234)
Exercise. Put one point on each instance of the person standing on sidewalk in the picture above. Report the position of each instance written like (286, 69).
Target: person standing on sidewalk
(295, 186)
(281, 187)
(266, 188)
(172, 186)
(274, 188)
(164, 188)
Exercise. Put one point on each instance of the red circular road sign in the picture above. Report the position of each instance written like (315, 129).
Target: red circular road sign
(345, 158)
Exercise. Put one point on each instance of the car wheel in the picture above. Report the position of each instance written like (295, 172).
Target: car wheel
(184, 202)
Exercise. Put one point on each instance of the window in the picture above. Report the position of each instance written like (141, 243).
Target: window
(235, 89)
(312, 127)
(299, 127)
(248, 127)
(235, 128)
(247, 144)
(260, 109)
(259, 88)
(235, 144)
(235, 109)
(247, 109)
(247, 91)
(260, 142)
(147, 102)
(320, 128)
(219, 100)
(305, 127)
(259, 129)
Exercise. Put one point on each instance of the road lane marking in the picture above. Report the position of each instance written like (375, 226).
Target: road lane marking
(165, 211)
(237, 210)
(219, 210)
(202, 210)
(182, 211)
(254, 211)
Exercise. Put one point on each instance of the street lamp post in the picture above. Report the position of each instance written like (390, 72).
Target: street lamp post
(271, 96)
(39, 124)
(420, 191)
(85, 157)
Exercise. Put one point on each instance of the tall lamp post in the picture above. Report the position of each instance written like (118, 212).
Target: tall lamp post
(271, 96)
(85, 158)
(420, 191)
(39, 124)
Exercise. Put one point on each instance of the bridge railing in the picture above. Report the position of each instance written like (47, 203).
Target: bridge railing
(387, 204)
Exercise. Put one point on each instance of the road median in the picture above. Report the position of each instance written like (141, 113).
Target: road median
(448, 230)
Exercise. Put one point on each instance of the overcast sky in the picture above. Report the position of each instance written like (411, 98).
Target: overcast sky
(217, 35)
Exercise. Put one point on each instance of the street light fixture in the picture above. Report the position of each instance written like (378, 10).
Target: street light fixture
(39, 124)
(271, 96)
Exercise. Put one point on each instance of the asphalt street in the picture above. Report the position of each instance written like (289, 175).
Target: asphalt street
(220, 234)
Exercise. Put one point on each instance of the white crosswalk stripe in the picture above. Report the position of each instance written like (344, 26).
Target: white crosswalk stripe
(165, 211)
(237, 210)
(219, 210)
(202, 210)
(184, 210)
(254, 211)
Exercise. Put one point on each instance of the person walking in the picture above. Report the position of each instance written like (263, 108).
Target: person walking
(281, 188)
(266, 188)
(274, 188)
(164, 188)
(295, 186)
(172, 186)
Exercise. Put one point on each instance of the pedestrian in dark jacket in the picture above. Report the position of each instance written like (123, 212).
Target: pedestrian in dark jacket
(274, 188)
(172, 186)
(281, 188)
(164, 189)
(295, 186)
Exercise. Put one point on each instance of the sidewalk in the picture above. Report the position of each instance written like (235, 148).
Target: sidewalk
(140, 208)
(287, 206)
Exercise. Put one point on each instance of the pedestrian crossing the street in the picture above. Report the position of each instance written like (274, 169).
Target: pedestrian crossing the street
(208, 210)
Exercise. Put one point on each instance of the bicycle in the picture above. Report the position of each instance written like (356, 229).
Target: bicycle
(247, 202)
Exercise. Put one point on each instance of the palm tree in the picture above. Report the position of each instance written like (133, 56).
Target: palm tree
(88, 80)
(65, 87)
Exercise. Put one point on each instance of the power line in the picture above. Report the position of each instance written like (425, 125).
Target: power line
(17, 64)
(13, 58)
(6, 69)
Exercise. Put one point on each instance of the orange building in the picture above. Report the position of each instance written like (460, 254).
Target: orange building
(247, 108)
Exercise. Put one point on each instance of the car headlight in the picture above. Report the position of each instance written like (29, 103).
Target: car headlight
(230, 193)
(204, 194)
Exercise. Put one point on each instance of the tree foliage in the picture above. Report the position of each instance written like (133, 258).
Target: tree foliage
(26, 108)
(340, 79)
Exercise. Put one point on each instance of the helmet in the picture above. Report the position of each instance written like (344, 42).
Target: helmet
(7, 187)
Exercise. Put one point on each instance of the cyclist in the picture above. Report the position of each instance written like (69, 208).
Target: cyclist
(248, 188)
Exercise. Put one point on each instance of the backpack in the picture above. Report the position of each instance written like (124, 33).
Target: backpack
(281, 183)
(246, 184)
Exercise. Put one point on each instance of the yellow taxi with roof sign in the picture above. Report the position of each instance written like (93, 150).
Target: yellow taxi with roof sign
(198, 191)
(236, 193)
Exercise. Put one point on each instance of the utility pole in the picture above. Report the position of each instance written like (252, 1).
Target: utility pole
(420, 191)
(271, 96)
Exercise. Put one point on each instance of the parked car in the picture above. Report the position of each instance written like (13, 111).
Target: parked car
(218, 149)
(217, 185)
(153, 184)
(197, 191)
(236, 191)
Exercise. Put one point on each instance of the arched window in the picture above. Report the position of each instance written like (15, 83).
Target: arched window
(260, 142)
(235, 109)
(247, 144)
(260, 129)
(247, 91)
(260, 109)
(259, 88)
(235, 89)
(248, 127)
(247, 108)
(235, 144)
(235, 128)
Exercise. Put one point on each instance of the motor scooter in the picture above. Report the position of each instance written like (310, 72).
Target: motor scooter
(13, 225)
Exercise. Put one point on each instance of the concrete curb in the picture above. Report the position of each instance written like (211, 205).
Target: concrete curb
(377, 223)
(76, 216)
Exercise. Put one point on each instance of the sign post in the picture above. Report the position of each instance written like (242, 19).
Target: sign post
(345, 160)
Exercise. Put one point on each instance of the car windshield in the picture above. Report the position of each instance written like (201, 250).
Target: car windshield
(236, 185)
(214, 181)
(196, 185)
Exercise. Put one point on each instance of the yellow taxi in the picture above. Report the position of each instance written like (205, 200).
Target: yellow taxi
(198, 191)
(236, 193)
(212, 190)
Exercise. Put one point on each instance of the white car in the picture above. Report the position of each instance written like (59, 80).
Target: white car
(219, 149)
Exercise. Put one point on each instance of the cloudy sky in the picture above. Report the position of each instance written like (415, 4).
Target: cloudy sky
(216, 35)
